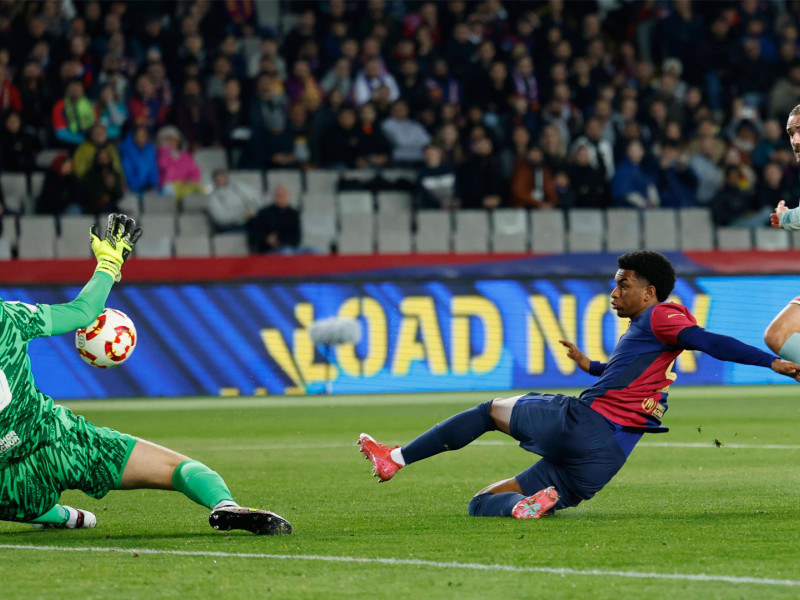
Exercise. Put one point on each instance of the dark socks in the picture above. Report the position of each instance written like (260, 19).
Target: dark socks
(451, 434)
(494, 505)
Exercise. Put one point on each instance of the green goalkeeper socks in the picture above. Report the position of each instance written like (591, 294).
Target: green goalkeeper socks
(200, 484)
(58, 515)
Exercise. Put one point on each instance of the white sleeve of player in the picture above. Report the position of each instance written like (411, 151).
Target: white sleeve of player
(790, 220)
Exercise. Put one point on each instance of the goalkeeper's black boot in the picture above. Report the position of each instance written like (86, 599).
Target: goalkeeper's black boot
(260, 522)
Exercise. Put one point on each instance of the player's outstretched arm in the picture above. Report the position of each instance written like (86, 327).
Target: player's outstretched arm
(575, 354)
(111, 251)
(785, 218)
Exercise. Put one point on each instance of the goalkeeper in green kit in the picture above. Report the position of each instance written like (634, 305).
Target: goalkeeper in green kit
(45, 449)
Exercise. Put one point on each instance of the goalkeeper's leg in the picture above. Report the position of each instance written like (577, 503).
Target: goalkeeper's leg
(155, 467)
(65, 517)
(783, 334)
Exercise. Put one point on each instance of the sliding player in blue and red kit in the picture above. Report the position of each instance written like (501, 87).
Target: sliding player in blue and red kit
(584, 441)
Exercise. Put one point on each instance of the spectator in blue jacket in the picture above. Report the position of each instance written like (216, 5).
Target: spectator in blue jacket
(633, 183)
(677, 182)
(138, 156)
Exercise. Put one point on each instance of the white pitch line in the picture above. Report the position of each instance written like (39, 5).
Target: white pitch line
(413, 562)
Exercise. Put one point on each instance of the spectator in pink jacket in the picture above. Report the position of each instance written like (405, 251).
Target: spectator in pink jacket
(178, 173)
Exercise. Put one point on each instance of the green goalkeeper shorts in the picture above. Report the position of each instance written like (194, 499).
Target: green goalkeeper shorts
(81, 456)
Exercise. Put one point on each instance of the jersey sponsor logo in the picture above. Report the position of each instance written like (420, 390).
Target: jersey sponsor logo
(9, 441)
(652, 407)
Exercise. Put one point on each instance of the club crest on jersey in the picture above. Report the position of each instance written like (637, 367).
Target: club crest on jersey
(651, 407)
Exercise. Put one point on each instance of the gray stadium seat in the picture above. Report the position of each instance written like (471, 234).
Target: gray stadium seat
(36, 184)
(660, 228)
(696, 229)
(255, 179)
(509, 230)
(434, 231)
(15, 191)
(229, 244)
(548, 235)
(623, 230)
(795, 236)
(9, 233)
(586, 229)
(322, 181)
(194, 203)
(155, 203)
(154, 247)
(291, 178)
(350, 203)
(356, 233)
(318, 201)
(767, 238)
(46, 157)
(5, 249)
(192, 246)
(394, 203)
(394, 233)
(158, 237)
(192, 224)
(74, 239)
(471, 232)
(359, 174)
(209, 159)
(130, 205)
(318, 229)
(37, 235)
(734, 238)
(395, 175)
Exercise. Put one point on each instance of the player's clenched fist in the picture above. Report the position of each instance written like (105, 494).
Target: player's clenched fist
(112, 250)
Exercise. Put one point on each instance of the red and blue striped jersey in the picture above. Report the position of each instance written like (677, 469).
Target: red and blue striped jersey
(632, 388)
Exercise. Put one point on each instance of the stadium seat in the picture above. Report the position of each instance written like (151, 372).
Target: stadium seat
(319, 201)
(154, 247)
(509, 230)
(155, 203)
(696, 229)
(192, 224)
(194, 203)
(254, 178)
(37, 235)
(398, 175)
(547, 229)
(795, 237)
(229, 244)
(130, 205)
(660, 228)
(767, 238)
(734, 238)
(74, 239)
(209, 159)
(290, 178)
(318, 229)
(361, 175)
(192, 246)
(471, 232)
(5, 249)
(36, 183)
(158, 237)
(15, 191)
(356, 233)
(322, 181)
(434, 231)
(46, 157)
(586, 230)
(354, 203)
(394, 233)
(9, 229)
(394, 203)
(623, 230)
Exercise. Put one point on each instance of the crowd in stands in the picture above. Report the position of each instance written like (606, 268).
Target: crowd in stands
(540, 105)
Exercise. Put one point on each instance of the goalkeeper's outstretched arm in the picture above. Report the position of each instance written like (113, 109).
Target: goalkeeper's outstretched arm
(785, 218)
(111, 252)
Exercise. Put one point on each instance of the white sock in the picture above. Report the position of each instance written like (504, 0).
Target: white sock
(226, 503)
(397, 456)
(72, 521)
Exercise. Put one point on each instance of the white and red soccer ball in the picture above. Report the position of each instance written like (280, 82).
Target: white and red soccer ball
(109, 341)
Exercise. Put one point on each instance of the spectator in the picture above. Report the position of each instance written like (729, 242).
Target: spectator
(73, 115)
(373, 148)
(494, 93)
(302, 87)
(443, 88)
(732, 204)
(773, 140)
(771, 189)
(18, 146)
(215, 84)
(436, 181)
(299, 134)
(178, 173)
(36, 99)
(709, 174)
(234, 126)
(532, 184)
(101, 186)
(111, 112)
(601, 152)
(634, 184)
(448, 139)
(61, 192)
(339, 77)
(412, 87)
(554, 147)
(517, 152)
(195, 117)
(84, 155)
(480, 181)
(232, 204)
(370, 80)
(138, 156)
(677, 182)
(146, 107)
(406, 136)
(525, 82)
(9, 94)
(587, 181)
(275, 228)
(715, 148)
(268, 117)
(339, 143)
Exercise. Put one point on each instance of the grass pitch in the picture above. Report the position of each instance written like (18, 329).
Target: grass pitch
(685, 518)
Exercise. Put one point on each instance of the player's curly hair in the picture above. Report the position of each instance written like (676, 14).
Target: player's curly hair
(653, 267)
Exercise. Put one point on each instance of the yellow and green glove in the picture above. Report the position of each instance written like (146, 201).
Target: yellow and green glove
(120, 238)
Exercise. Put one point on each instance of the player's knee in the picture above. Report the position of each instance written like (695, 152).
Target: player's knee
(775, 337)
(476, 503)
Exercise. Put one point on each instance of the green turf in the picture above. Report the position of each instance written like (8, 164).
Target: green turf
(730, 511)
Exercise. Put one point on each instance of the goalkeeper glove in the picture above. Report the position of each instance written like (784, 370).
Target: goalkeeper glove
(111, 251)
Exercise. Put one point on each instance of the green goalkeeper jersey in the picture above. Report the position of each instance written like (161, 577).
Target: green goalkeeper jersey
(25, 412)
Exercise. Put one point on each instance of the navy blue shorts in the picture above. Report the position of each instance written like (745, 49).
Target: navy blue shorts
(579, 452)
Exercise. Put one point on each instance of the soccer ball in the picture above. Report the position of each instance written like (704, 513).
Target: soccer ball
(109, 341)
